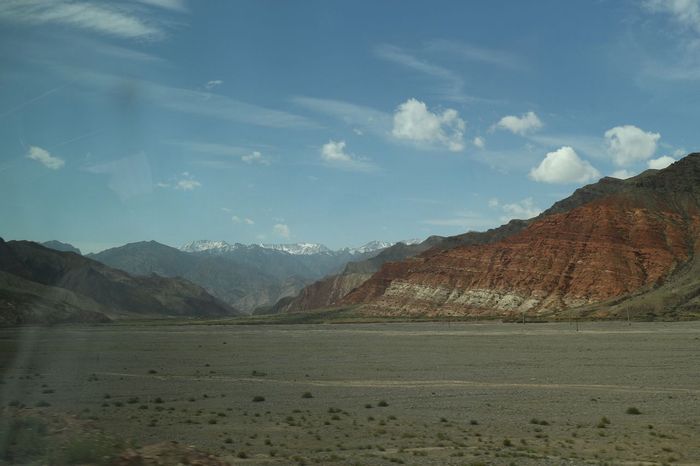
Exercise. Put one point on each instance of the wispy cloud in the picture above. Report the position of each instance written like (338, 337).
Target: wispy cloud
(212, 84)
(471, 52)
(26, 103)
(104, 18)
(364, 118)
(209, 148)
(450, 84)
(189, 101)
(174, 5)
(128, 177)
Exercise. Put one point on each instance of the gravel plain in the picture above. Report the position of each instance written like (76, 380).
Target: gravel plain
(390, 393)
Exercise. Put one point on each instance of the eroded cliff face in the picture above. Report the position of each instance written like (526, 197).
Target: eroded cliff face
(607, 248)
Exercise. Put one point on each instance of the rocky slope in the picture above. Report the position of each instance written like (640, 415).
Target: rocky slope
(42, 285)
(329, 290)
(625, 238)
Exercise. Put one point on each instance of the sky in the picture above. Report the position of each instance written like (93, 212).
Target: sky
(327, 121)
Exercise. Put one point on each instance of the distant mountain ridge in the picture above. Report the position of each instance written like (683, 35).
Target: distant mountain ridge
(296, 249)
(42, 285)
(244, 276)
(60, 246)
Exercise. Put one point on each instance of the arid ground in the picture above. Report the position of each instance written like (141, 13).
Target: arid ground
(407, 393)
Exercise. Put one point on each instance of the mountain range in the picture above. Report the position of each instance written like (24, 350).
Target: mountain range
(614, 248)
(611, 249)
(39, 285)
(245, 276)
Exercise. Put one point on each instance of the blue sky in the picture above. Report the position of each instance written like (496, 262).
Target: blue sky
(327, 121)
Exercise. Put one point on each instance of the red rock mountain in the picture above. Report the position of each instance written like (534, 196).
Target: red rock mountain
(612, 240)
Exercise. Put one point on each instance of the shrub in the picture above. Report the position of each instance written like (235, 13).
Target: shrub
(383, 404)
(632, 410)
(307, 395)
(258, 399)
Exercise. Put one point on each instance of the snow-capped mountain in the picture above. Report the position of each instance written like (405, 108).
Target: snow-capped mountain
(370, 247)
(204, 245)
(295, 249)
(373, 246)
(298, 249)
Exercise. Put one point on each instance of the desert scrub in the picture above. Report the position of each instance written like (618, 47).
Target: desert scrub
(604, 421)
(632, 410)
(258, 398)
(97, 450)
(307, 395)
(25, 440)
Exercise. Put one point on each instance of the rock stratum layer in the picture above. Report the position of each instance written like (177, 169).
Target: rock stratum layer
(620, 240)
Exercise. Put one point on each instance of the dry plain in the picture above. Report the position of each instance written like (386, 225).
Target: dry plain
(382, 393)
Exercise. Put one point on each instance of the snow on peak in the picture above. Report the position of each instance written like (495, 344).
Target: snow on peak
(298, 249)
(204, 245)
(373, 246)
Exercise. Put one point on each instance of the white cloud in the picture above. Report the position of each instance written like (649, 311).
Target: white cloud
(622, 174)
(685, 12)
(524, 209)
(414, 122)
(280, 229)
(212, 84)
(255, 157)
(236, 219)
(45, 158)
(188, 185)
(183, 182)
(628, 144)
(358, 131)
(103, 18)
(660, 163)
(333, 154)
(564, 166)
(479, 142)
(521, 125)
(248, 221)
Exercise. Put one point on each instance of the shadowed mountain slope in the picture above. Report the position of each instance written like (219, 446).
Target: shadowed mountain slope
(35, 278)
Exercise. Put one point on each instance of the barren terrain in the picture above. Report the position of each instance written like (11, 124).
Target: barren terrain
(407, 393)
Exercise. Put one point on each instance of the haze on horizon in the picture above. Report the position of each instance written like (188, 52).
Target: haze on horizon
(328, 122)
